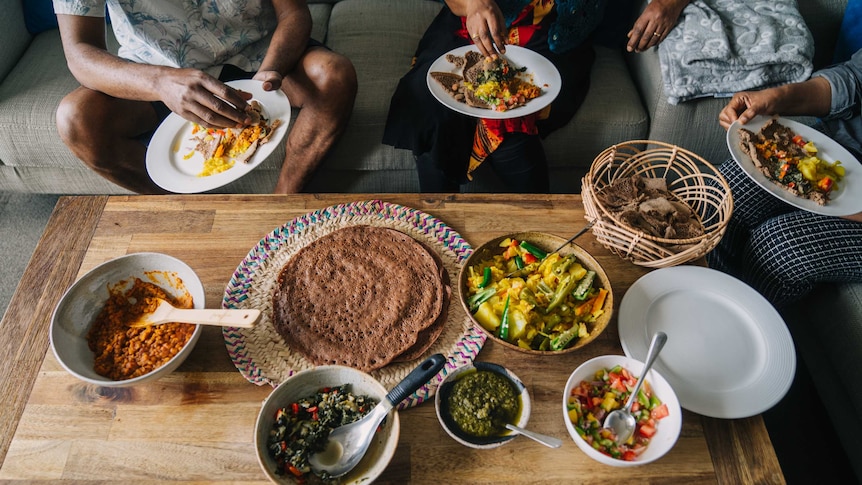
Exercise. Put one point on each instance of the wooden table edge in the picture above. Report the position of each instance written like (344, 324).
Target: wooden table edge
(55, 261)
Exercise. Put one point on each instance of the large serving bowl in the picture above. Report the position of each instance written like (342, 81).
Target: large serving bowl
(546, 242)
(668, 428)
(307, 383)
(83, 301)
(441, 403)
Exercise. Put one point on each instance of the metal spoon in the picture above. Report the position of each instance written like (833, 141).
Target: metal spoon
(621, 421)
(577, 235)
(347, 444)
(544, 439)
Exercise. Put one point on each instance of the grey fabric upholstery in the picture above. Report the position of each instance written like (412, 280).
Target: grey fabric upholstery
(379, 36)
(827, 330)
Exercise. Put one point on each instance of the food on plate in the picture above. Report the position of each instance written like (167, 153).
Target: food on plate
(591, 401)
(533, 300)
(122, 352)
(222, 148)
(645, 204)
(361, 296)
(791, 162)
(488, 83)
(302, 428)
(481, 403)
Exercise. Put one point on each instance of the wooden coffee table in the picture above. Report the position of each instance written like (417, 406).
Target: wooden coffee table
(197, 424)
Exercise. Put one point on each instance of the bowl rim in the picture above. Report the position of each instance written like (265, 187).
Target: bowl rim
(672, 427)
(572, 247)
(389, 446)
(482, 443)
(167, 367)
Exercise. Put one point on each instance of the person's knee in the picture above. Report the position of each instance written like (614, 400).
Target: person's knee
(335, 80)
(71, 120)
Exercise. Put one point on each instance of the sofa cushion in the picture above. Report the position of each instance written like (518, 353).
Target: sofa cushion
(13, 36)
(380, 37)
(39, 15)
(827, 329)
(29, 97)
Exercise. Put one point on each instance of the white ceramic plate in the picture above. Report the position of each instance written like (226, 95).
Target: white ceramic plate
(540, 72)
(846, 201)
(728, 352)
(171, 143)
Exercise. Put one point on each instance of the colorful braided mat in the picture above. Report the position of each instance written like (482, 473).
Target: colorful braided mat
(261, 355)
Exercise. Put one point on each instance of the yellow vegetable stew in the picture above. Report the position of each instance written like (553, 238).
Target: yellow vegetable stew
(535, 301)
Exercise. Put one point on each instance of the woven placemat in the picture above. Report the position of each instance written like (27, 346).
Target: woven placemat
(262, 356)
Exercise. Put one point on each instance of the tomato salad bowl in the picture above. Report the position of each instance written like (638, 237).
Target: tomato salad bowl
(601, 385)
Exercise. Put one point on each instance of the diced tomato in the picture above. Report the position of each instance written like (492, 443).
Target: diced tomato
(529, 258)
(636, 406)
(629, 455)
(659, 412)
(798, 140)
(647, 430)
(295, 471)
(825, 184)
(511, 251)
(617, 383)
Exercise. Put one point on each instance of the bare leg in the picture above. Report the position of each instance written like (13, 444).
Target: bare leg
(100, 130)
(324, 87)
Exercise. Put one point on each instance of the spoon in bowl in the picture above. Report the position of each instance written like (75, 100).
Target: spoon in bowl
(621, 421)
(544, 439)
(164, 312)
(347, 444)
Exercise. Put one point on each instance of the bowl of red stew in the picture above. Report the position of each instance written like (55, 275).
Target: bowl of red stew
(601, 385)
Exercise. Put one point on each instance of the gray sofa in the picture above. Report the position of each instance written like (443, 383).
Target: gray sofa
(379, 36)
(625, 102)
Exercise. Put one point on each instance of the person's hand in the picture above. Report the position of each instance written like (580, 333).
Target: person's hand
(486, 27)
(657, 20)
(745, 105)
(203, 99)
(271, 79)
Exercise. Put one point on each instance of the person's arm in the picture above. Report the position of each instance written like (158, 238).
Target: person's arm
(808, 98)
(289, 42)
(485, 24)
(654, 23)
(192, 94)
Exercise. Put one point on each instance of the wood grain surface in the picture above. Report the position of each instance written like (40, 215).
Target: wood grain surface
(196, 425)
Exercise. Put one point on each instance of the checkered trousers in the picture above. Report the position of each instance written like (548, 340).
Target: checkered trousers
(782, 251)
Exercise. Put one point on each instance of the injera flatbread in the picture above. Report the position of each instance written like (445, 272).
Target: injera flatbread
(357, 297)
(426, 337)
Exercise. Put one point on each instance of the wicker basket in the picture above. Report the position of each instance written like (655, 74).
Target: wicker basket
(689, 177)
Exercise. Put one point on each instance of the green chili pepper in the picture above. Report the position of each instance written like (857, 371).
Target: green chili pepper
(486, 277)
(474, 301)
(504, 322)
(563, 289)
(538, 253)
(519, 261)
(562, 340)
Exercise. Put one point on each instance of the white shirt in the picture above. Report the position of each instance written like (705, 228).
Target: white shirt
(200, 34)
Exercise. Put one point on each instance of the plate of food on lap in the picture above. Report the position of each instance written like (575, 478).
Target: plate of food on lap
(517, 83)
(184, 157)
(798, 164)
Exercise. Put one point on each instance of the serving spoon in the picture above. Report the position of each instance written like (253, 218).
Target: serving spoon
(621, 421)
(167, 313)
(544, 439)
(347, 444)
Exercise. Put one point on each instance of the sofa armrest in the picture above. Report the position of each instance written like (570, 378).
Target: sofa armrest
(14, 36)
